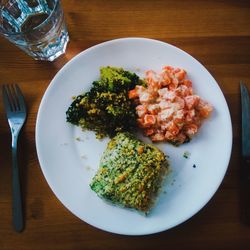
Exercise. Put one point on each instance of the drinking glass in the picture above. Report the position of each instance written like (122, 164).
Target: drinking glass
(35, 26)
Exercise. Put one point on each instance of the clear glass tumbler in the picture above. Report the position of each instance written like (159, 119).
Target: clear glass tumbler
(35, 26)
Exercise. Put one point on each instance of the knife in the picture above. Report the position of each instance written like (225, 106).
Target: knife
(245, 152)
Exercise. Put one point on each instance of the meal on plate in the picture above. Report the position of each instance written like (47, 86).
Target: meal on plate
(130, 173)
(106, 108)
(167, 108)
(162, 104)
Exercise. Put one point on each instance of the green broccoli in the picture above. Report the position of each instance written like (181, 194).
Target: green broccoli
(106, 108)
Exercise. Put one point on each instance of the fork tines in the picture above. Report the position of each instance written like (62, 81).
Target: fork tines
(13, 98)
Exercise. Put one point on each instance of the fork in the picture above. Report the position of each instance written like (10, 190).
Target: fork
(16, 114)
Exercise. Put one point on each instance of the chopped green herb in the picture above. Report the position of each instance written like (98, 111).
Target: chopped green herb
(186, 154)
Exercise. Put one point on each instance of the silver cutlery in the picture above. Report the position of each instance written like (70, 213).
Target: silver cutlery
(16, 114)
(245, 152)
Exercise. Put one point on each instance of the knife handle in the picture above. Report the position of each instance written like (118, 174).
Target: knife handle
(245, 190)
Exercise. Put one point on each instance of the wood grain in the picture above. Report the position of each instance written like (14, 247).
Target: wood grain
(214, 32)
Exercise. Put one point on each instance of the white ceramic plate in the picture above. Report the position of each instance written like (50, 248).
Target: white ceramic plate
(69, 157)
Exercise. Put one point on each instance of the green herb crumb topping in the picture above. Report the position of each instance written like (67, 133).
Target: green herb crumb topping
(130, 173)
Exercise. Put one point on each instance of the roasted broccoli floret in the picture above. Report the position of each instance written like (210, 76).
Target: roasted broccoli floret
(106, 108)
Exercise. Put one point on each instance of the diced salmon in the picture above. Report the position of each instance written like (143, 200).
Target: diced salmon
(180, 138)
(205, 112)
(163, 104)
(173, 129)
(191, 101)
(153, 109)
(149, 120)
(167, 109)
(151, 77)
(180, 103)
(191, 130)
(145, 97)
(190, 114)
(169, 136)
(139, 89)
(165, 115)
(149, 131)
(165, 94)
(133, 94)
(205, 109)
(157, 137)
(165, 78)
(141, 110)
(174, 84)
(176, 70)
(179, 117)
(162, 92)
(187, 83)
(168, 68)
(180, 74)
(183, 90)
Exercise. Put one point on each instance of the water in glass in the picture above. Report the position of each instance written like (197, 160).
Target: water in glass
(36, 26)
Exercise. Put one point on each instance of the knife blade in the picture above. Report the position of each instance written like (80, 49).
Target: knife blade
(245, 152)
(245, 118)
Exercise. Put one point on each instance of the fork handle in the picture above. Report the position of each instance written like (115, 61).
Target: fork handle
(16, 190)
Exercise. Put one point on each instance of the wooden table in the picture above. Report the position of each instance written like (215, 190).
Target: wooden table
(217, 33)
